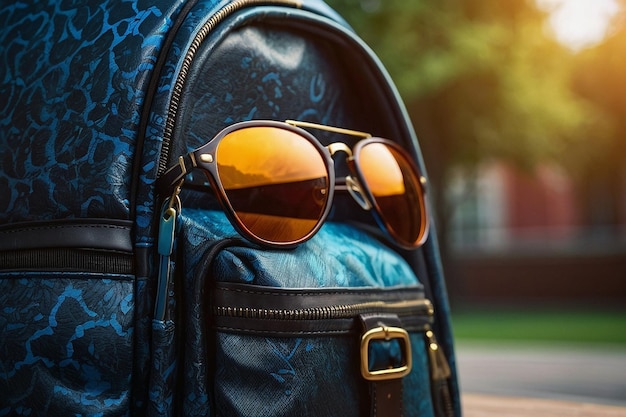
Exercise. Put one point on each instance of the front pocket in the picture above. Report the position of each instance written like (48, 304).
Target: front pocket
(280, 333)
(66, 343)
(287, 352)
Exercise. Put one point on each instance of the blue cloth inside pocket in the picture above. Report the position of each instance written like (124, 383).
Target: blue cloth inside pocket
(339, 255)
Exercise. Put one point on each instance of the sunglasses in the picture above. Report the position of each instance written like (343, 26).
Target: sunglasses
(276, 181)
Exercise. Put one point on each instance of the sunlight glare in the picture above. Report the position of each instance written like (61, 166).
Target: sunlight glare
(580, 23)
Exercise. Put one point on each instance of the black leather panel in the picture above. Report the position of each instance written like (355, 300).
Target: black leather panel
(112, 235)
(252, 296)
(329, 311)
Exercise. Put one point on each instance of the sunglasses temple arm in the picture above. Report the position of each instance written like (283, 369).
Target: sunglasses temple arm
(175, 174)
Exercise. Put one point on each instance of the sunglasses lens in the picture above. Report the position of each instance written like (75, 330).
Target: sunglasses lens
(275, 180)
(395, 186)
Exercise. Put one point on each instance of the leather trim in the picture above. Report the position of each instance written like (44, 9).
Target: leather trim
(254, 296)
(251, 309)
(111, 235)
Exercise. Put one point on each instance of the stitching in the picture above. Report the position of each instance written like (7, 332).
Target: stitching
(281, 332)
(91, 226)
(309, 294)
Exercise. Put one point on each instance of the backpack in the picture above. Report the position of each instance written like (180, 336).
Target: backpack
(119, 297)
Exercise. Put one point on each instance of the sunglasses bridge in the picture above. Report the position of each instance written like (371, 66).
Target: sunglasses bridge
(352, 184)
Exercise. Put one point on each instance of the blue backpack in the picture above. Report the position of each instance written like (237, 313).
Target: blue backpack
(128, 288)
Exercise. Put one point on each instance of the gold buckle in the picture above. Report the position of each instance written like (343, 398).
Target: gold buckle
(386, 334)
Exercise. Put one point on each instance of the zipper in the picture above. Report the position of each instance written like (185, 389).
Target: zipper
(421, 307)
(204, 31)
(67, 260)
(253, 309)
(440, 374)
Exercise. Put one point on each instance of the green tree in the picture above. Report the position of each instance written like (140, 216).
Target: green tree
(600, 164)
(481, 80)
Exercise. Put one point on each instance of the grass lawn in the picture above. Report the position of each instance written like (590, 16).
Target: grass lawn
(540, 325)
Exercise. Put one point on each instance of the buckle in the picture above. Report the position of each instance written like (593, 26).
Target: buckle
(386, 334)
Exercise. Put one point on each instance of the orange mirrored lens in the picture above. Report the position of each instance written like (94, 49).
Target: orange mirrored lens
(275, 180)
(396, 189)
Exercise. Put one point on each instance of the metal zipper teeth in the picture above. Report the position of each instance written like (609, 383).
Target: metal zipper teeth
(219, 16)
(344, 311)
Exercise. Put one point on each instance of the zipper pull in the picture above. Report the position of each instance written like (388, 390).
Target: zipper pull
(439, 364)
(440, 374)
(165, 247)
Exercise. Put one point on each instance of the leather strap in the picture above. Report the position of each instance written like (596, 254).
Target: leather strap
(107, 234)
(385, 395)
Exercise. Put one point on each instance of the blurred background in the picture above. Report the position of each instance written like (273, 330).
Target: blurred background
(520, 109)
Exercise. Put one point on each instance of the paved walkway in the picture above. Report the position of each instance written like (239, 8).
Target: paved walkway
(480, 405)
(558, 372)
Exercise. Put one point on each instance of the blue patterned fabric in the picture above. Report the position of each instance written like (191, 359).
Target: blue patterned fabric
(164, 370)
(303, 376)
(332, 258)
(73, 79)
(65, 344)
